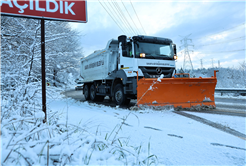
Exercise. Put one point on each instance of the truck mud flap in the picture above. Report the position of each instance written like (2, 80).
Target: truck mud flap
(179, 92)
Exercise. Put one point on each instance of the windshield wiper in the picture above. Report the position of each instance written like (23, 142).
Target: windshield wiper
(149, 55)
(165, 56)
(158, 56)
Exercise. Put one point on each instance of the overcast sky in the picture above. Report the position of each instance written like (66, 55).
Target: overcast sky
(217, 28)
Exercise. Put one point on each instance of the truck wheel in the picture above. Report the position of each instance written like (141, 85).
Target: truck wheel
(119, 96)
(86, 91)
(93, 95)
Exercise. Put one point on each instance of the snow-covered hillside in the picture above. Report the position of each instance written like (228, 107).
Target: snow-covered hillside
(226, 77)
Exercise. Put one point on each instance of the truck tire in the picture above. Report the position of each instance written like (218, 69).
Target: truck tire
(86, 91)
(93, 95)
(119, 96)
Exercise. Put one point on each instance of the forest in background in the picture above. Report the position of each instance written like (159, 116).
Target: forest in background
(226, 77)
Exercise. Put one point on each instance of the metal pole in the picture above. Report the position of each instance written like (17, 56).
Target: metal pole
(43, 68)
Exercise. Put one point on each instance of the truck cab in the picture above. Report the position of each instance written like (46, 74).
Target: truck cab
(150, 56)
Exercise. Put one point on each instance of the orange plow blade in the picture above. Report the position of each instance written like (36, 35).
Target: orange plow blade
(179, 92)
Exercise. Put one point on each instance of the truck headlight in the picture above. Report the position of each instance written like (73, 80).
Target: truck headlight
(142, 55)
(175, 57)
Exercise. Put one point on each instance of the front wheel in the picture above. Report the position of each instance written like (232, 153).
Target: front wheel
(86, 91)
(119, 96)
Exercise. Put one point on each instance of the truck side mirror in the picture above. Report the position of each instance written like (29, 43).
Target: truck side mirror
(174, 49)
(122, 39)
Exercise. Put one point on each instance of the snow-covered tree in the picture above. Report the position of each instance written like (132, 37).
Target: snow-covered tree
(226, 77)
(63, 52)
(21, 59)
(21, 75)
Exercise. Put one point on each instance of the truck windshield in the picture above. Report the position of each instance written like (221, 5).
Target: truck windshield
(153, 51)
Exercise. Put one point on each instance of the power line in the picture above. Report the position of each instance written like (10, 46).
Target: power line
(221, 31)
(118, 15)
(116, 11)
(223, 51)
(137, 16)
(226, 41)
(112, 18)
(123, 16)
(130, 17)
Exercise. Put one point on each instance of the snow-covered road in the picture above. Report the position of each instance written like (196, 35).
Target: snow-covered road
(233, 104)
(173, 138)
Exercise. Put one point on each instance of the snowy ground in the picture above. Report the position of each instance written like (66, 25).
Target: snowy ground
(234, 122)
(229, 95)
(174, 139)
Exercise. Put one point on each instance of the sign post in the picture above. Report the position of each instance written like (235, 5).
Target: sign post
(43, 68)
(62, 10)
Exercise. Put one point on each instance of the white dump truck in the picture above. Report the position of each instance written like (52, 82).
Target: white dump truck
(113, 71)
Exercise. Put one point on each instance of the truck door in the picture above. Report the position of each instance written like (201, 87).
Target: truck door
(126, 59)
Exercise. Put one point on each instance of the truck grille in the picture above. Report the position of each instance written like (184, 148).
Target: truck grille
(154, 72)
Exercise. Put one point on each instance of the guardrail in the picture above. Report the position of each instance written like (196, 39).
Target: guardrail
(228, 90)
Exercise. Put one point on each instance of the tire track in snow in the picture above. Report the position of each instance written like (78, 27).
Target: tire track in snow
(221, 112)
(213, 124)
(226, 105)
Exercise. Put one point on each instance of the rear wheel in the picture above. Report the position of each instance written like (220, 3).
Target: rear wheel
(93, 92)
(86, 91)
(93, 95)
(119, 96)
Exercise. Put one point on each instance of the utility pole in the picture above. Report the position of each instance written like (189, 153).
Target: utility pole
(218, 63)
(187, 64)
(201, 64)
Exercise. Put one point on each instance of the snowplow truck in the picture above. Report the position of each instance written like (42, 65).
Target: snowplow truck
(142, 68)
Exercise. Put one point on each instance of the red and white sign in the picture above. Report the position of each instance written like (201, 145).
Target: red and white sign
(68, 10)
